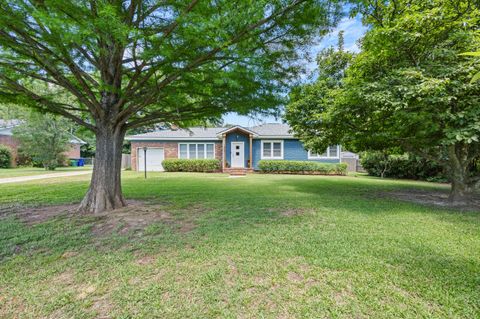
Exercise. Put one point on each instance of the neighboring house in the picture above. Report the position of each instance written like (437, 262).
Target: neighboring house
(6, 138)
(236, 147)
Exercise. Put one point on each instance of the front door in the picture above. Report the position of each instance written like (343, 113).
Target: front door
(238, 154)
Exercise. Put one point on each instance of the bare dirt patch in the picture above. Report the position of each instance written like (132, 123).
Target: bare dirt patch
(432, 198)
(85, 290)
(64, 278)
(37, 215)
(294, 277)
(146, 260)
(289, 212)
(134, 217)
(103, 307)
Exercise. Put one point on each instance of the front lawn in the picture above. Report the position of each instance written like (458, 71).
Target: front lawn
(263, 246)
(32, 171)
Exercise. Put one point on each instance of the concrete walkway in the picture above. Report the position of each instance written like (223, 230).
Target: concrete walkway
(43, 176)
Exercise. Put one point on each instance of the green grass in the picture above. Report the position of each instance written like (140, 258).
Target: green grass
(31, 171)
(264, 246)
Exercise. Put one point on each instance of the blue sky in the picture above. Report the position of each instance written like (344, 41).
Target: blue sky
(353, 31)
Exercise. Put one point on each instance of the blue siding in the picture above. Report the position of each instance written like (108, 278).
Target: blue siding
(237, 137)
(293, 150)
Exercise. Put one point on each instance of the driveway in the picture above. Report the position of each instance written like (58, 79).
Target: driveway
(35, 177)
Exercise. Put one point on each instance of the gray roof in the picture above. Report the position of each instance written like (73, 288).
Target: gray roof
(193, 132)
(198, 133)
(9, 123)
(272, 129)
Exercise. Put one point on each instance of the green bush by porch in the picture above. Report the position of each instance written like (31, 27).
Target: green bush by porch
(302, 167)
(191, 165)
(5, 156)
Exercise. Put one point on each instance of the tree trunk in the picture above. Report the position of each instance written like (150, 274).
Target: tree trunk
(105, 192)
(460, 179)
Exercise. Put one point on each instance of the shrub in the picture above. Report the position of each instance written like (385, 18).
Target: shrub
(191, 165)
(402, 166)
(302, 167)
(23, 159)
(5, 156)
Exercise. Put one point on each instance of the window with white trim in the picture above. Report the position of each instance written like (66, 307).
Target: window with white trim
(196, 150)
(330, 152)
(272, 150)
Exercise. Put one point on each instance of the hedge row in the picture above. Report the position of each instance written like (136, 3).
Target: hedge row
(191, 165)
(302, 167)
(402, 166)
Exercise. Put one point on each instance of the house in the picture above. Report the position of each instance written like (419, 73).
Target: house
(6, 138)
(236, 147)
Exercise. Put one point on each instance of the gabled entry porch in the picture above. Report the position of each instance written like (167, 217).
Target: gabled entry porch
(237, 146)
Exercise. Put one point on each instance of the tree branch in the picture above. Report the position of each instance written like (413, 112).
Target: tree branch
(55, 107)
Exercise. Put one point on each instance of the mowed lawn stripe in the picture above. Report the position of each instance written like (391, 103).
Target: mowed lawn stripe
(261, 246)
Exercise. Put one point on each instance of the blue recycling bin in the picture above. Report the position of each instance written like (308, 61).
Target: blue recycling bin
(81, 162)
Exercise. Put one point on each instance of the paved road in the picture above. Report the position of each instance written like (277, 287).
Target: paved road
(35, 177)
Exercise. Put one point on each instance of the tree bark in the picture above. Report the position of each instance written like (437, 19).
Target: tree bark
(105, 192)
(460, 180)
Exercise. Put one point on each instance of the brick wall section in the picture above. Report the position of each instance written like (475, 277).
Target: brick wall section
(218, 151)
(170, 150)
(73, 152)
(13, 143)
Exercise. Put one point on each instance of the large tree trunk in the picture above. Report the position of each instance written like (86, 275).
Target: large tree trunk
(459, 174)
(105, 192)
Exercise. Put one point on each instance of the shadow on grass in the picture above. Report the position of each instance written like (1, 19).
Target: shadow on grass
(330, 223)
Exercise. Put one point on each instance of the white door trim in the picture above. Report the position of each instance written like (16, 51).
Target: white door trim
(240, 163)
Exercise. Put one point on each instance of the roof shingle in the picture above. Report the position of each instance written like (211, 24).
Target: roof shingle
(264, 130)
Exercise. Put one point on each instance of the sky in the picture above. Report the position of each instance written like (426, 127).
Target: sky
(353, 31)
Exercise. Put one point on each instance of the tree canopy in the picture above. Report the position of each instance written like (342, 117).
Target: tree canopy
(158, 60)
(408, 88)
(127, 64)
(45, 138)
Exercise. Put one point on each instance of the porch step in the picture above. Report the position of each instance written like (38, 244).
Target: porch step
(236, 171)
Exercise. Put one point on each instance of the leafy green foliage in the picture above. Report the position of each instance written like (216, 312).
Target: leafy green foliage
(144, 62)
(407, 88)
(302, 167)
(309, 103)
(476, 76)
(405, 165)
(191, 165)
(44, 138)
(5, 156)
(128, 64)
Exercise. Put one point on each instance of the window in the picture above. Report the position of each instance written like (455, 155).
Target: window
(192, 151)
(210, 151)
(201, 150)
(196, 150)
(330, 152)
(183, 151)
(272, 149)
